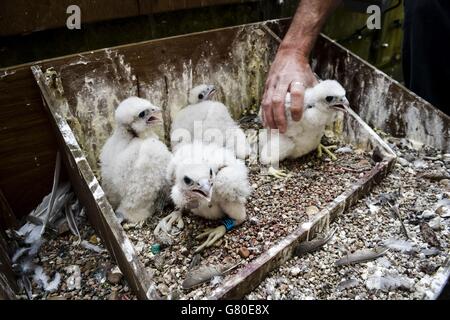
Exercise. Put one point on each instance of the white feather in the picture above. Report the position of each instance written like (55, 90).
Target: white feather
(133, 168)
(210, 122)
(303, 136)
(399, 245)
(230, 183)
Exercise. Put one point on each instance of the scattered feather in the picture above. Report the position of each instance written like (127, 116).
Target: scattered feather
(205, 273)
(85, 244)
(420, 164)
(71, 220)
(53, 192)
(389, 283)
(396, 212)
(195, 261)
(430, 252)
(435, 175)
(26, 285)
(54, 284)
(19, 253)
(216, 280)
(360, 256)
(41, 278)
(347, 284)
(403, 246)
(74, 280)
(374, 209)
(313, 245)
(384, 262)
(388, 197)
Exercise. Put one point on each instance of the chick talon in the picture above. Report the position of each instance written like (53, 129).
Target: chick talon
(277, 173)
(166, 223)
(327, 151)
(213, 234)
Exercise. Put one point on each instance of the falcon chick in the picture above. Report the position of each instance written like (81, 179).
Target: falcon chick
(208, 121)
(134, 161)
(209, 181)
(321, 102)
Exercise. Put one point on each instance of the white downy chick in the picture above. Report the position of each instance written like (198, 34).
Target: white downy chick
(321, 103)
(209, 181)
(208, 121)
(134, 161)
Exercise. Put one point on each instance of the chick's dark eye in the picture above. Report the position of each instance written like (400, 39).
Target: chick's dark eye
(200, 96)
(210, 172)
(187, 180)
(329, 98)
(142, 114)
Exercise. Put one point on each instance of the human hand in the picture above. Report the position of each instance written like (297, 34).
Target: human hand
(290, 72)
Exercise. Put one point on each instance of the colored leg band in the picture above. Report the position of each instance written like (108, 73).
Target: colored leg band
(228, 223)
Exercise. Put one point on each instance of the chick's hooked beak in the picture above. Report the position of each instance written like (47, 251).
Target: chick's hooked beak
(210, 92)
(342, 105)
(204, 188)
(154, 117)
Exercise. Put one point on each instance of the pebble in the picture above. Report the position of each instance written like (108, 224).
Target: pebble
(403, 162)
(114, 275)
(114, 295)
(295, 271)
(321, 276)
(163, 289)
(420, 164)
(445, 182)
(312, 210)
(243, 252)
(359, 229)
(344, 150)
(436, 223)
(427, 214)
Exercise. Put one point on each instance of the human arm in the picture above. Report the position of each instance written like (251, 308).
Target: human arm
(290, 71)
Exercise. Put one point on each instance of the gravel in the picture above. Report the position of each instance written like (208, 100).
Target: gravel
(418, 187)
(85, 274)
(401, 273)
(275, 209)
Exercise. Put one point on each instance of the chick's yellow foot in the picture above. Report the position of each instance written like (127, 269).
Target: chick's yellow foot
(327, 151)
(277, 173)
(212, 236)
(167, 222)
(133, 225)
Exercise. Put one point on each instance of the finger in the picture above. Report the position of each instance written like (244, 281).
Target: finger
(266, 106)
(297, 98)
(278, 108)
